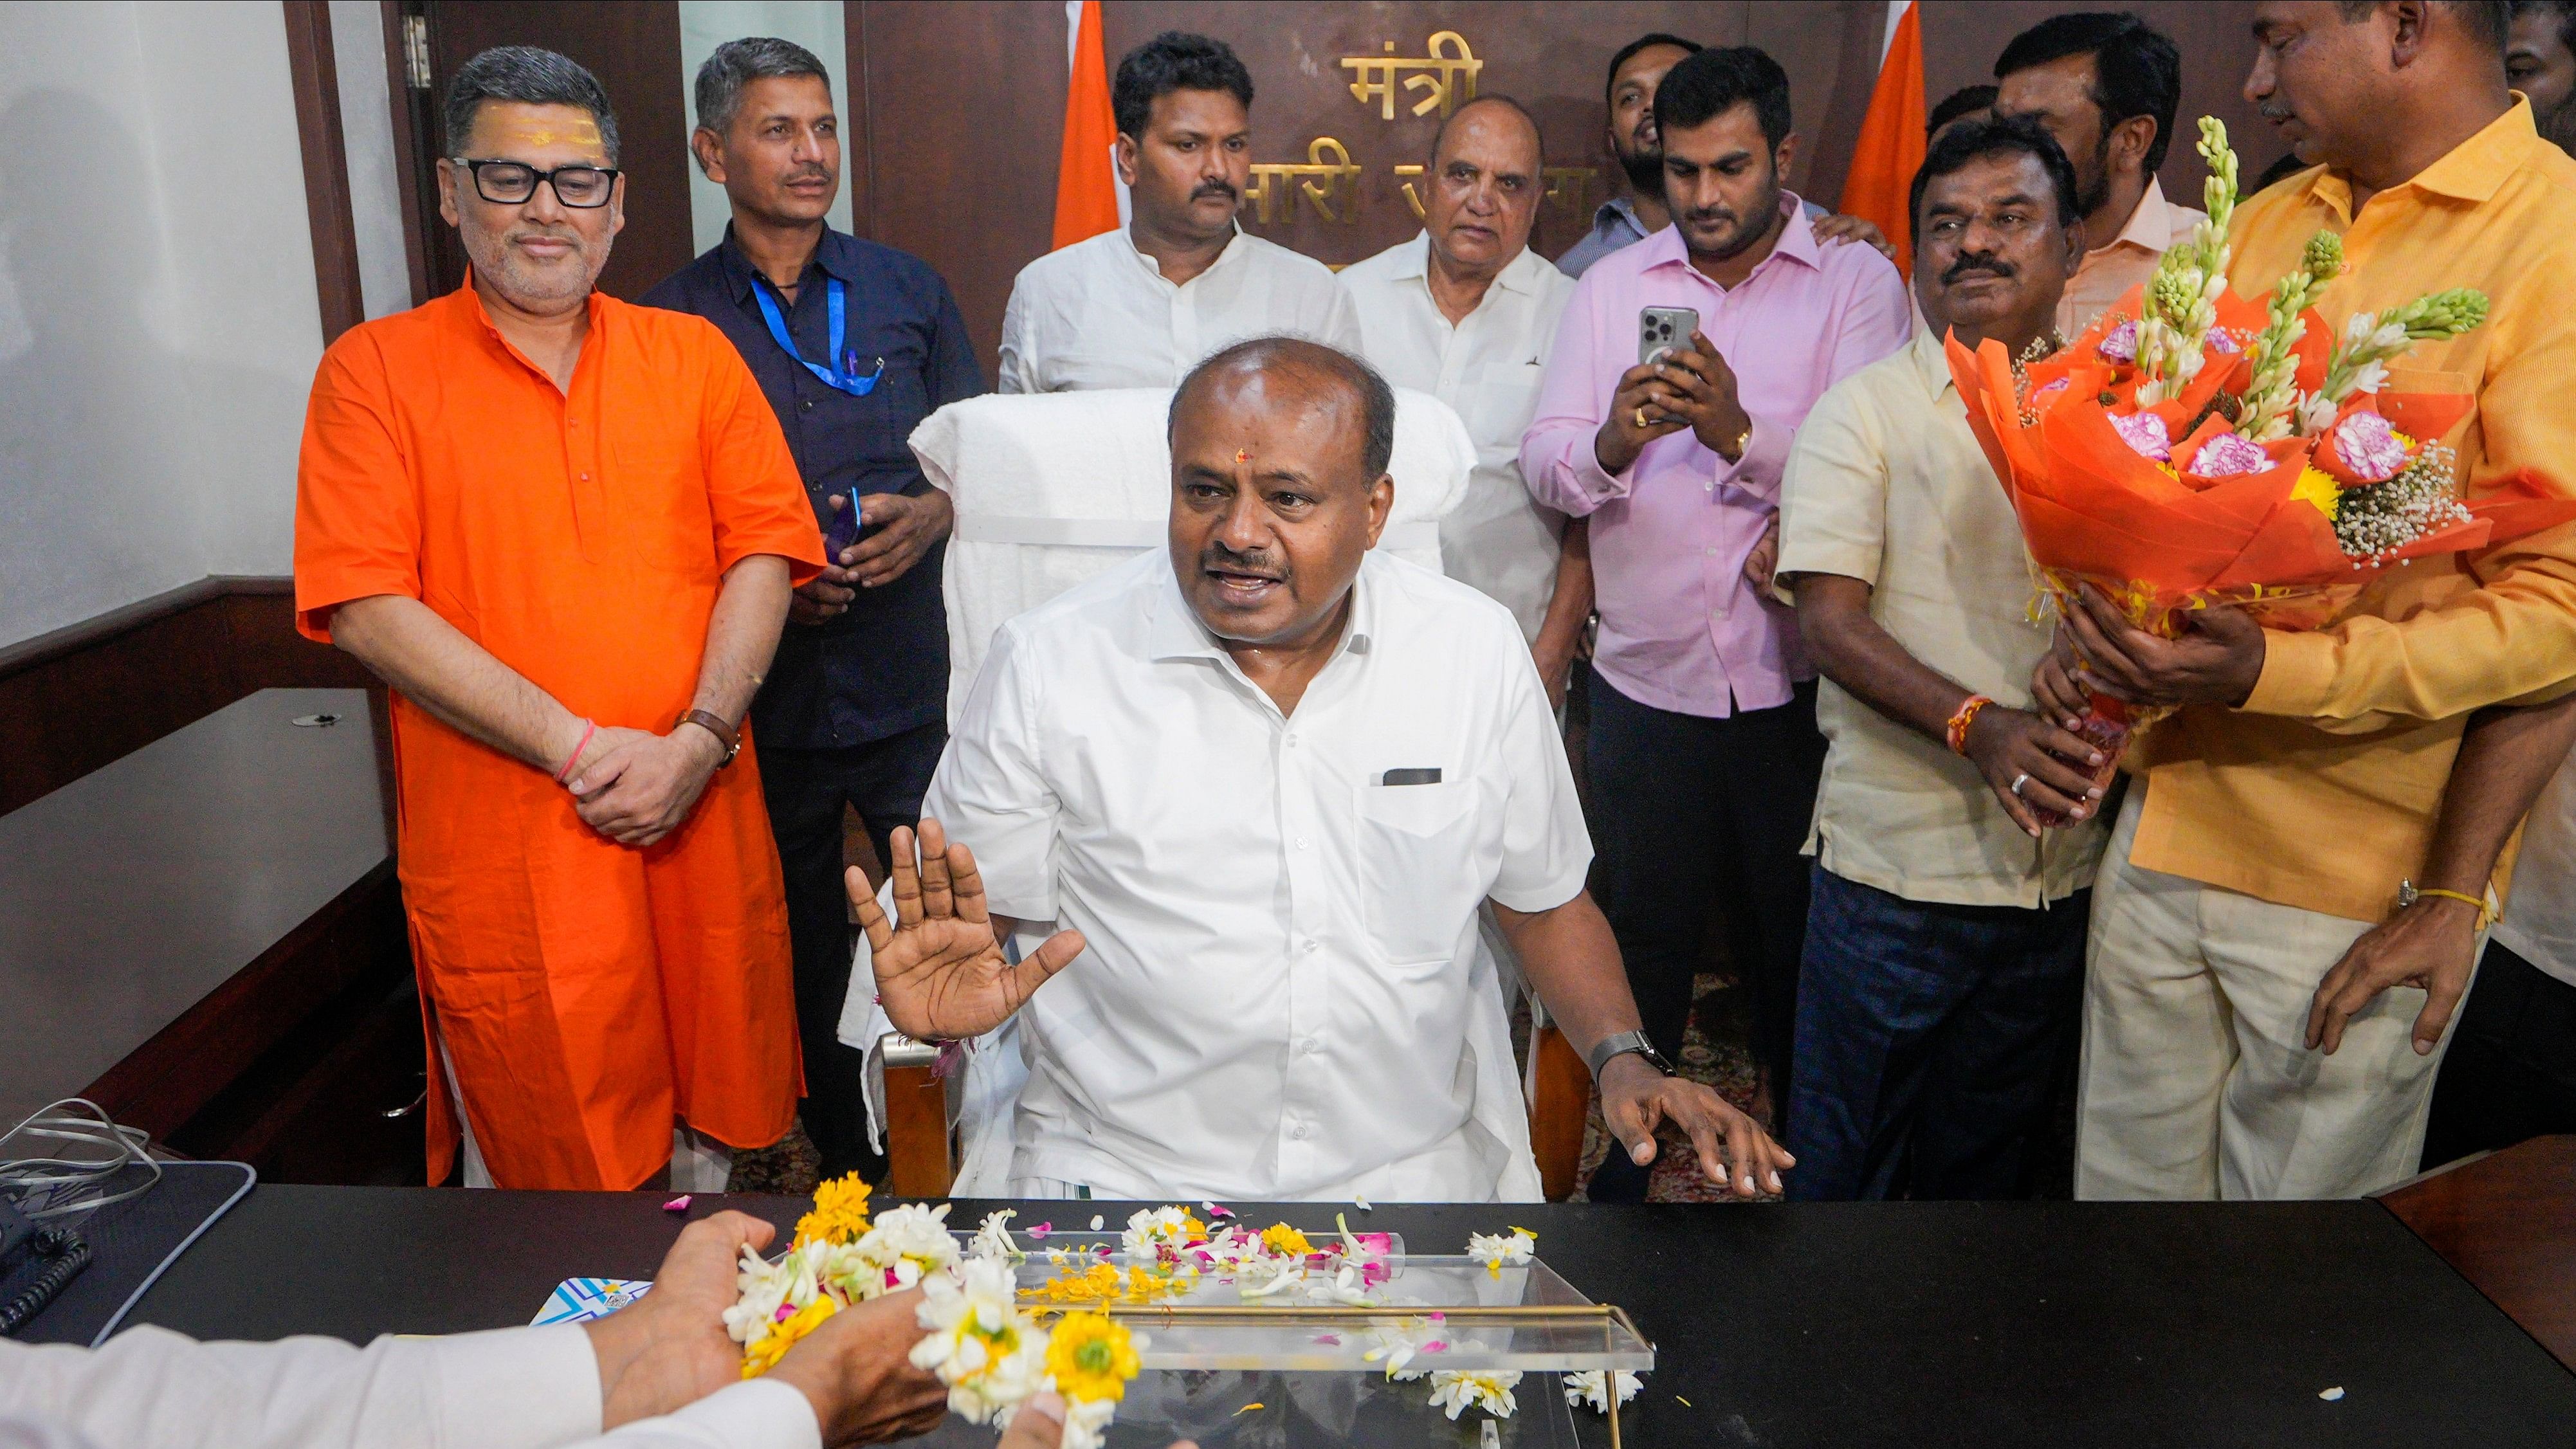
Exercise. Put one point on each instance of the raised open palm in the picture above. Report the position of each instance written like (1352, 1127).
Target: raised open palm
(940, 971)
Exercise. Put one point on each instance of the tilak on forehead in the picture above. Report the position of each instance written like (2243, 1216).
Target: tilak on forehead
(578, 131)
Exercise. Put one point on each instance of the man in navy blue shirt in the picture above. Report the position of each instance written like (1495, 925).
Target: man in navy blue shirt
(855, 344)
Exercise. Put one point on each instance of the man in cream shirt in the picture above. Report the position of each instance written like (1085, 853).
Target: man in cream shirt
(1139, 306)
(1268, 777)
(1944, 956)
(1467, 312)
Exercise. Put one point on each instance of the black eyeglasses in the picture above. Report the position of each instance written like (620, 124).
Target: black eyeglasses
(512, 182)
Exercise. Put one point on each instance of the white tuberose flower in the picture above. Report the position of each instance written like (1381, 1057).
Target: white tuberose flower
(1494, 1250)
(1456, 1392)
(993, 1238)
(1153, 1228)
(1583, 1390)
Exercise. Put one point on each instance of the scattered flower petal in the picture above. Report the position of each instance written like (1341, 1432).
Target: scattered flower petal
(1248, 1408)
(1584, 1390)
(1042, 1229)
(678, 1204)
(1362, 1203)
(2333, 1395)
(1096, 1221)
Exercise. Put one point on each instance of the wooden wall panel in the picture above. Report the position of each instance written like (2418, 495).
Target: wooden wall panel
(86, 697)
(965, 105)
(312, 64)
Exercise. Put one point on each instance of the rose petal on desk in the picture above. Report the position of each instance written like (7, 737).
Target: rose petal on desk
(678, 1204)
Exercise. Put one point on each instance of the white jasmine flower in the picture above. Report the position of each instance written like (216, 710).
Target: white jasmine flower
(763, 1288)
(1086, 1422)
(1153, 1229)
(1492, 1392)
(1584, 1390)
(1395, 1345)
(1494, 1250)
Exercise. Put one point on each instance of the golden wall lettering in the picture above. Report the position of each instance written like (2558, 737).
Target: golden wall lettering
(1329, 181)
(1444, 78)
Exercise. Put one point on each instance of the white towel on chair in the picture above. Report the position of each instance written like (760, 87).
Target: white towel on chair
(1054, 488)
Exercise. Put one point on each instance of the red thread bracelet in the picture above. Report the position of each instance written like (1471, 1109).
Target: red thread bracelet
(1959, 723)
(588, 730)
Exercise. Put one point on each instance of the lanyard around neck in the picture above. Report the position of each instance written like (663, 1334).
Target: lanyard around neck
(843, 374)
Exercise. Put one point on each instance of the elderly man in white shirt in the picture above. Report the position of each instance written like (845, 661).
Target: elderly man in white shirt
(1139, 306)
(661, 1374)
(1268, 779)
(1467, 312)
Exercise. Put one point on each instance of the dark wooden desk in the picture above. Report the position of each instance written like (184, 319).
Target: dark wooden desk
(2507, 1221)
(205, 937)
(1904, 1324)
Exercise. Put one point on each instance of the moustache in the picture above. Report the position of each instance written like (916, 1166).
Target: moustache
(805, 173)
(1710, 216)
(1213, 188)
(519, 234)
(1975, 266)
(1216, 557)
(2271, 111)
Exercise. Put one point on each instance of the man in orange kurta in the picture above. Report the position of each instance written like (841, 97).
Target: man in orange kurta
(564, 529)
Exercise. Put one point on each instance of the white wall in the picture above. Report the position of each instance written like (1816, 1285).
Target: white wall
(375, 179)
(158, 321)
(813, 24)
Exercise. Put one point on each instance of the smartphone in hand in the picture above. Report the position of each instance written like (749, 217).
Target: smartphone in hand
(842, 530)
(1664, 329)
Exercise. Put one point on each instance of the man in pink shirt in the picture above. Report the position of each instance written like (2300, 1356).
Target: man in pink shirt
(1703, 751)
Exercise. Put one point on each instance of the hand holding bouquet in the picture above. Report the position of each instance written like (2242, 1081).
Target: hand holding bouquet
(2195, 448)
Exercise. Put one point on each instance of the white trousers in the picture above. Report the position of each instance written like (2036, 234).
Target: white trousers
(2197, 1079)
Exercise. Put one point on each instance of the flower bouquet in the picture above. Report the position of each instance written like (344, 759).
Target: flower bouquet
(2195, 447)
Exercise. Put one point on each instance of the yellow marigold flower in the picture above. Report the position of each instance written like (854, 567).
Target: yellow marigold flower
(1283, 1239)
(2319, 488)
(1091, 1357)
(762, 1354)
(840, 1213)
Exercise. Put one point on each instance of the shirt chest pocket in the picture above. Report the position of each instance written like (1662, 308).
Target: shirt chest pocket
(1500, 408)
(1420, 854)
(649, 503)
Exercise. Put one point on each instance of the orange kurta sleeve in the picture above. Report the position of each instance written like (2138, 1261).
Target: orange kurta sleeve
(357, 508)
(754, 490)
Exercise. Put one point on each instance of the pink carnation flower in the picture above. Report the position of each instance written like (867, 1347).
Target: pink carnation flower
(2145, 434)
(2228, 456)
(2368, 447)
(2047, 391)
(2222, 340)
(2120, 344)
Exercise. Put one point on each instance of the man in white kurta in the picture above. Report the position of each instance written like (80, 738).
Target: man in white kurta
(1265, 779)
(1467, 312)
(1139, 306)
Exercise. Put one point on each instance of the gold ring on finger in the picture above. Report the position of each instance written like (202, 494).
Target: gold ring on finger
(1641, 417)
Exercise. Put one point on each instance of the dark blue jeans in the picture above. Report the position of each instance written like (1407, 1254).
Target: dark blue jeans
(807, 789)
(1928, 1038)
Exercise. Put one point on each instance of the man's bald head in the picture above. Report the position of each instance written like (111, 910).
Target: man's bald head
(1507, 116)
(1279, 487)
(1302, 365)
(1484, 187)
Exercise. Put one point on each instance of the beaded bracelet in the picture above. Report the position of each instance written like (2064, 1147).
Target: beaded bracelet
(1966, 716)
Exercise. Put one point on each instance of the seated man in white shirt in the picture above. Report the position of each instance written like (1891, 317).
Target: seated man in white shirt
(1139, 306)
(1267, 780)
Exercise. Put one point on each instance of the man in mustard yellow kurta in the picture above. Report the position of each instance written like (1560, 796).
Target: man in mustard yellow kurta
(2286, 807)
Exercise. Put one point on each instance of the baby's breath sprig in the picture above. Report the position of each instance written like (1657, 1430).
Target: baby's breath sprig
(2274, 393)
(2377, 519)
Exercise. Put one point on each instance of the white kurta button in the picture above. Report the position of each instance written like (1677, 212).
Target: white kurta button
(1313, 945)
(1298, 1131)
(1302, 842)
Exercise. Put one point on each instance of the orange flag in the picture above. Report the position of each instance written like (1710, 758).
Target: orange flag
(1086, 178)
(1890, 148)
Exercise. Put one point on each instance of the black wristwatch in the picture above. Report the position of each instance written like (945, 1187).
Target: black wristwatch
(1621, 1044)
